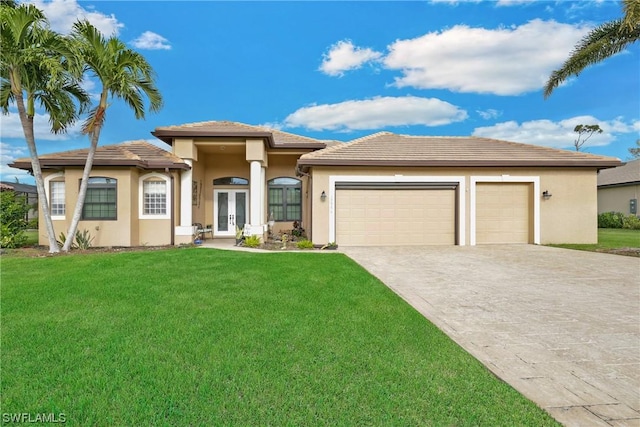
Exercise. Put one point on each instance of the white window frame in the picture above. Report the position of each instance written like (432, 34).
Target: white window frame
(333, 179)
(155, 177)
(535, 180)
(47, 189)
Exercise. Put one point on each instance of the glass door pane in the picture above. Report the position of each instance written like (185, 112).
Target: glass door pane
(223, 211)
(241, 208)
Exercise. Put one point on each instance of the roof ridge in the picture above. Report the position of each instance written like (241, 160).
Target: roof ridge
(332, 148)
(373, 135)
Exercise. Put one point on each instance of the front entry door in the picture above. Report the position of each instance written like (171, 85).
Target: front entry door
(229, 211)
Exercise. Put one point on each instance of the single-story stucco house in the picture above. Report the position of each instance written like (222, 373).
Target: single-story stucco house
(382, 189)
(619, 188)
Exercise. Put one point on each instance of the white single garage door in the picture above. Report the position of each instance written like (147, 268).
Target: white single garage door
(393, 216)
(504, 213)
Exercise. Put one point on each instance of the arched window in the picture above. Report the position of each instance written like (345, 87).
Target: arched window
(154, 197)
(101, 199)
(285, 199)
(231, 180)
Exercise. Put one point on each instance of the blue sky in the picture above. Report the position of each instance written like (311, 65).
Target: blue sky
(342, 70)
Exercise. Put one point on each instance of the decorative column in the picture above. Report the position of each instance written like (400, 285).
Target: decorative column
(255, 202)
(185, 228)
(263, 199)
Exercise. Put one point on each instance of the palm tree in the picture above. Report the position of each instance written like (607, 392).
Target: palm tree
(124, 74)
(33, 65)
(601, 43)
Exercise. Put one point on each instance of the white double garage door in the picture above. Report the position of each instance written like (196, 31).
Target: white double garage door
(425, 213)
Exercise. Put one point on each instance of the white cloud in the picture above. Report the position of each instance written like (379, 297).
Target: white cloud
(12, 128)
(489, 114)
(344, 56)
(502, 61)
(62, 14)
(376, 113)
(514, 2)
(8, 154)
(557, 134)
(272, 125)
(151, 41)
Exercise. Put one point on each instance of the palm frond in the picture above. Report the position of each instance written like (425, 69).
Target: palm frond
(601, 43)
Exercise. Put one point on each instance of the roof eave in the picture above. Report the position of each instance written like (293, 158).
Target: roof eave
(60, 163)
(619, 184)
(460, 163)
(167, 136)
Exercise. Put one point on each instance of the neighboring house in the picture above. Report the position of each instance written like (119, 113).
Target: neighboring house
(619, 188)
(383, 189)
(29, 192)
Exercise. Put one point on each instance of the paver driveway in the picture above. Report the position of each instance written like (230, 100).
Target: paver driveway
(560, 326)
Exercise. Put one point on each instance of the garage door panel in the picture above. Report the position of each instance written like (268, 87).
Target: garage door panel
(503, 213)
(368, 217)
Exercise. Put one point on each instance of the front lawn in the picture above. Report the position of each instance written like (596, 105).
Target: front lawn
(613, 240)
(205, 337)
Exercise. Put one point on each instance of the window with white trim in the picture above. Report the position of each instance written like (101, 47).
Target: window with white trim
(285, 199)
(155, 197)
(58, 203)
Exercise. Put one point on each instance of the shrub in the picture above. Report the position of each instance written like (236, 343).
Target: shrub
(610, 220)
(631, 222)
(252, 241)
(13, 210)
(298, 231)
(83, 240)
(304, 244)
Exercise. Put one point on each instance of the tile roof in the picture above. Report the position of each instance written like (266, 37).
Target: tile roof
(226, 128)
(140, 154)
(389, 149)
(18, 187)
(625, 174)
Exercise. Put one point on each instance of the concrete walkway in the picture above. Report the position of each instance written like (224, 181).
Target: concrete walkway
(561, 326)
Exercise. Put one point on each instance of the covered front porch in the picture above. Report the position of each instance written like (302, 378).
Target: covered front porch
(238, 181)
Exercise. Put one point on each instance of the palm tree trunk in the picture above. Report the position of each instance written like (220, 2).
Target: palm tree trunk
(27, 127)
(77, 213)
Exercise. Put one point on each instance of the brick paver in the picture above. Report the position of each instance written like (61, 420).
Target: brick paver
(561, 326)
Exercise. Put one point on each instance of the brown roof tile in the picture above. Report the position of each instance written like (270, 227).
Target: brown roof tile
(389, 149)
(140, 154)
(625, 174)
(275, 138)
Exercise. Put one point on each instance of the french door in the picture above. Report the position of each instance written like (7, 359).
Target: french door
(229, 211)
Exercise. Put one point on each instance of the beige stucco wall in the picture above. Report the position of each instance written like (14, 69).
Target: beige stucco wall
(569, 216)
(616, 199)
(127, 229)
(105, 233)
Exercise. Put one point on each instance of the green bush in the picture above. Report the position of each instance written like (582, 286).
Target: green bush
(13, 210)
(252, 241)
(83, 240)
(304, 244)
(631, 222)
(610, 220)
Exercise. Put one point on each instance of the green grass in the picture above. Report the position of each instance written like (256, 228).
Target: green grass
(205, 337)
(609, 238)
(32, 237)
